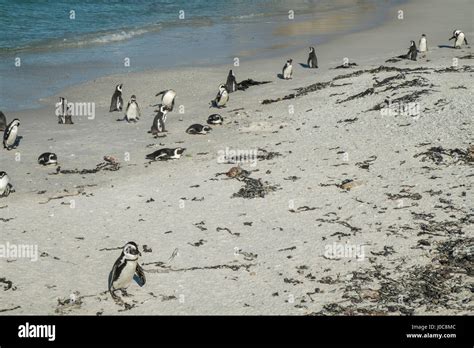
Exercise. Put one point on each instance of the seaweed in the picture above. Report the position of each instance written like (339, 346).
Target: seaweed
(368, 91)
(439, 155)
(254, 188)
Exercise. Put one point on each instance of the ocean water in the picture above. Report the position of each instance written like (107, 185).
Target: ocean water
(46, 45)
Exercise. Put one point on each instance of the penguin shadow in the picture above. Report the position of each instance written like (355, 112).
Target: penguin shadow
(280, 76)
(304, 65)
(446, 46)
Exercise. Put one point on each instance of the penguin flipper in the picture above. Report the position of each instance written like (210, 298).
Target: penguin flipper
(139, 276)
(111, 280)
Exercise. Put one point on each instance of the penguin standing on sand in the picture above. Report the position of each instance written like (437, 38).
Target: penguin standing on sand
(48, 158)
(459, 38)
(158, 125)
(423, 45)
(132, 112)
(11, 134)
(63, 111)
(287, 72)
(5, 187)
(312, 59)
(167, 98)
(231, 84)
(222, 98)
(125, 269)
(165, 154)
(116, 104)
(3, 121)
(412, 51)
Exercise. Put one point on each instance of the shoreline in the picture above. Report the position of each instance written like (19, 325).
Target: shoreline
(398, 226)
(293, 38)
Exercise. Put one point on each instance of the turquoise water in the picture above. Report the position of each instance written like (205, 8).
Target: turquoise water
(61, 43)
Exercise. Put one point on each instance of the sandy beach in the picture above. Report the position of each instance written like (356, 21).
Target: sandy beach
(367, 210)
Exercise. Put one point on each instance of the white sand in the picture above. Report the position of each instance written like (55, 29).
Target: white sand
(112, 208)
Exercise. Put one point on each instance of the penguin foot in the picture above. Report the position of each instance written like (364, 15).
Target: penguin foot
(124, 293)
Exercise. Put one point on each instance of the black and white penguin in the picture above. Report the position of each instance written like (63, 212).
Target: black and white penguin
(48, 158)
(116, 104)
(312, 59)
(11, 134)
(423, 45)
(215, 119)
(222, 98)
(231, 84)
(132, 112)
(125, 269)
(3, 121)
(167, 98)
(5, 187)
(287, 72)
(165, 154)
(459, 38)
(412, 51)
(158, 125)
(63, 111)
(198, 129)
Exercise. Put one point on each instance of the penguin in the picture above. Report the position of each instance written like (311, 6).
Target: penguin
(165, 154)
(132, 112)
(288, 70)
(116, 103)
(222, 98)
(231, 84)
(198, 129)
(63, 111)
(11, 134)
(412, 52)
(158, 125)
(125, 269)
(48, 158)
(423, 45)
(5, 187)
(167, 98)
(3, 121)
(215, 119)
(459, 38)
(312, 59)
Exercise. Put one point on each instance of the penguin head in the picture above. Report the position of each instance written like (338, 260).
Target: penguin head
(53, 158)
(456, 32)
(423, 35)
(222, 88)
(311, 49)
(133, 97)
(119, 87)
(163, 109)
(15, 122)
(3, 175)
(289, 61)
(179, 150)
(130, 250)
